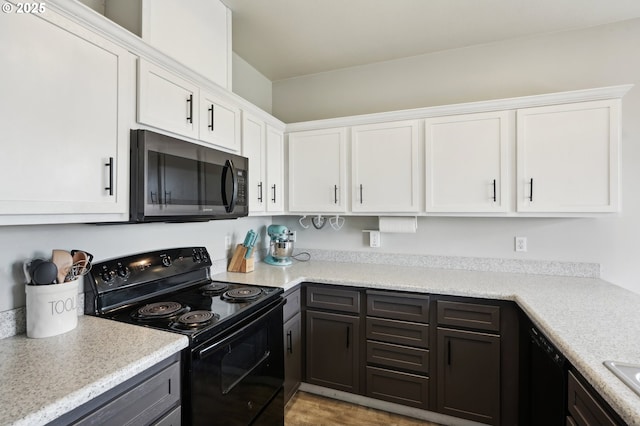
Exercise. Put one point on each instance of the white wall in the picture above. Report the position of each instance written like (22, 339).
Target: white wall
(250, 84)
(20, 243)
(595, 57)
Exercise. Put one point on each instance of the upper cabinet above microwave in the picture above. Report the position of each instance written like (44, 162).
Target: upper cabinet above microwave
(197, 35)
(171, 103)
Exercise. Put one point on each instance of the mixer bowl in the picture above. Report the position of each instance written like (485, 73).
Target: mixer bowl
(281, 249)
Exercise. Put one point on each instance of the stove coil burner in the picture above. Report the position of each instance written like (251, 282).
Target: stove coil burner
(196, 319)
(213, 289)
(159, 310)
(242, 294)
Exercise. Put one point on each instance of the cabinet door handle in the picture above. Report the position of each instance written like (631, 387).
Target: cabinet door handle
(110, 166)
(494, 191)
(190, 104)
(260, 192)
(212, 118)
(274, 193)
(448, 352)
(531, 192)
(348, 335)
(335, 194)
(360, 193)
(289, 342)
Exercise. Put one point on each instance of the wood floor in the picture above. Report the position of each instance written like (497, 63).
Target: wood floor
(307, 409)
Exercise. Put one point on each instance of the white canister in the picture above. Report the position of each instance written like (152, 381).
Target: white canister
(51, 309)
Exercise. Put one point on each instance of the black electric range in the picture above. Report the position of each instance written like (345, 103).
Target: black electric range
(233, 369)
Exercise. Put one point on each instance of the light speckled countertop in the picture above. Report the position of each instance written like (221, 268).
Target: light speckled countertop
(588, 319)
(41, 379)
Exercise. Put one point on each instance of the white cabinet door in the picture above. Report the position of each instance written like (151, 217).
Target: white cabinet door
(567, 157)
(317, 171)
(253, 147)
(219, 122)
(275, 169)
(197, 34)
(385, 167)
(167, 101)
(466, 162)
(66, 108)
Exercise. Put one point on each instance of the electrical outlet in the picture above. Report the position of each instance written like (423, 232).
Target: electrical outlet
(374, 239)
(227, 242)
(521, 243)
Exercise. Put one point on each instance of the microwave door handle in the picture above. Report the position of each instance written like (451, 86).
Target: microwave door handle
(231, 205)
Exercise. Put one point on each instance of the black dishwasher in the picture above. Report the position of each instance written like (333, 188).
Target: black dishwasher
(543, 400)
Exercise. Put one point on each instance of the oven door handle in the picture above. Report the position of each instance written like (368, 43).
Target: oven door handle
(203, 353)
(246, 373)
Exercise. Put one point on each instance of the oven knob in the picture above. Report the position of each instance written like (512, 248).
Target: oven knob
(166, 261)
(123, 271)
(197, 257)
(107, 275)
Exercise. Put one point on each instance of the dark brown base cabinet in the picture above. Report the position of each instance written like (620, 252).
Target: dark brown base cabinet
(585, 407)
(397, 333)
(477, 360)
(469, 375)
(332, 338)
(292, 330)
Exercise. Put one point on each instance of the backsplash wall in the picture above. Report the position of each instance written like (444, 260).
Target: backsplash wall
(20, 243)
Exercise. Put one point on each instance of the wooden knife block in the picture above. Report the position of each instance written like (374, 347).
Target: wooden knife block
(238, 263)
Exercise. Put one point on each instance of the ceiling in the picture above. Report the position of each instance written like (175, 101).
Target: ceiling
(288, 38)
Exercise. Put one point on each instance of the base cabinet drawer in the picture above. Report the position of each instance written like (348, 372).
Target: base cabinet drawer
(401, 388)
(400, 306)
(333, 299)
(400, 332)
(397, 356)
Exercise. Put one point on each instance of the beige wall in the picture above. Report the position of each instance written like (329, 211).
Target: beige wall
(595, 57)
(250, 84)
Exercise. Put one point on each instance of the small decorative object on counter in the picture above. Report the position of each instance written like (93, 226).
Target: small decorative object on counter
(242, 259)
(52, 292)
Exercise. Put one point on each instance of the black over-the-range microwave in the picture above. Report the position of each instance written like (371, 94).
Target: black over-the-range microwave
(173, 180)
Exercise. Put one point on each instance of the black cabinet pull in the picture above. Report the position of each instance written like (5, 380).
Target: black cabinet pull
(110, 166)
(531, 193)
(335, 194)
(494, 190)
(289, 342)
(260, 192)
(212, 118)
(360, 193)
(274, 193)
(348, 334)
(448, 352)
(190, 104)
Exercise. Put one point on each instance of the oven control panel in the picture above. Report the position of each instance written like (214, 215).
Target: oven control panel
(149, 267)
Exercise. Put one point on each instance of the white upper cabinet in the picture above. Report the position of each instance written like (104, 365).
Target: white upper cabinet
(275, 170)
(254, 148)
(196, 33)
(317, 171)
(219, 122)
(263, 145)
(385, 169)
(167, 101)
(467, 163)
(567, 157)
(66, 107)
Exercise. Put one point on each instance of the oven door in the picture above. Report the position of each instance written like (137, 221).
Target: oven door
(235, 379)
